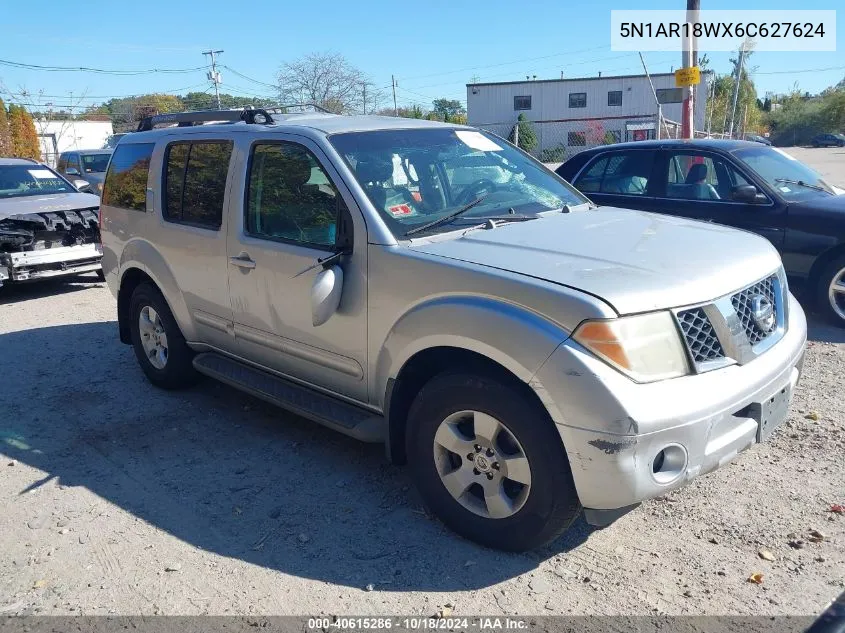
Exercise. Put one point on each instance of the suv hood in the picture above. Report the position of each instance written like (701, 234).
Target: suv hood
(633, 260)
(49, 203)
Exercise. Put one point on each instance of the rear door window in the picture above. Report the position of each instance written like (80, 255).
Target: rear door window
(625, 173)
(126, 180)
(195, 182)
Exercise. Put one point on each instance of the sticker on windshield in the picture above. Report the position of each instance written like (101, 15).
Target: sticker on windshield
(476, 140)
(785, 189)
(42, 174)
(399, 210)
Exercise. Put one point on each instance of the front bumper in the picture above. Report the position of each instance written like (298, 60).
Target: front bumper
(615, 429)
(50, 262)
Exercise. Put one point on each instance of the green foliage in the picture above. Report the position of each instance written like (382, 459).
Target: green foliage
(556, 154)
(446, 109)
(527, 139)
(5, 132)
(796, 118)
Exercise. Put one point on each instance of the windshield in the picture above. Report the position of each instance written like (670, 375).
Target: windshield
(30, 180)
(94, 163)
(414, 177)
(776, 167)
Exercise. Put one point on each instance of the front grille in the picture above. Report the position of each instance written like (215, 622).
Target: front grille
(700, 336)
(742, 304)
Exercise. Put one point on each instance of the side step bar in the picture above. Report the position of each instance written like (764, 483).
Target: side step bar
(335, 414)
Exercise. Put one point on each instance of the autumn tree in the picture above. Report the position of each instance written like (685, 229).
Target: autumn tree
(447, 109)
(5, 133)
(24, 137)
(329, 81)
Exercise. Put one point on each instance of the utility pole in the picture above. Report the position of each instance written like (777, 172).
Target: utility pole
(364, 85)
(214, 76)
(689, 59)
(393, 82)
(737, 81)
(656, 100)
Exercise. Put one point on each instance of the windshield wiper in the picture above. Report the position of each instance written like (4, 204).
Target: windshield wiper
(801, 183)
(447, 217)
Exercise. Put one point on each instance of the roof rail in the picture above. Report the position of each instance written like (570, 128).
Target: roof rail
(186, 119)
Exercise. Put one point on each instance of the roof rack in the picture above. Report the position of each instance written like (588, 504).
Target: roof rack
(187, 119)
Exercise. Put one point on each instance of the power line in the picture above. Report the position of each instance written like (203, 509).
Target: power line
(103, 71)
(90, 97)
(805, 70)
(262, 83)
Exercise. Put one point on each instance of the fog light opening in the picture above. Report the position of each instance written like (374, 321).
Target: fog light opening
(669, 464)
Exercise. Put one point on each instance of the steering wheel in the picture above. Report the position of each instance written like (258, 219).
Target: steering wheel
(485, 185)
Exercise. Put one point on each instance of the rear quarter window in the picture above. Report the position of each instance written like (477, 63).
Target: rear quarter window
(126, 180)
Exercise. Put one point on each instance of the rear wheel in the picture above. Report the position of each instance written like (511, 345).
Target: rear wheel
(831, 291)
(159, 345)
(489, 462)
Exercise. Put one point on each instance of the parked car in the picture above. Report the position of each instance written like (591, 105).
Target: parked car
(828, 140)
(88, 165)
(736, 183)
(527, 355)
(48, 228)
(756, 138)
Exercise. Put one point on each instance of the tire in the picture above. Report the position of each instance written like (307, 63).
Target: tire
(455, 408)
(172, 369)
(830, 302)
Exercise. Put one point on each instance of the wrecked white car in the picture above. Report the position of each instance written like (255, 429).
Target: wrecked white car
(47, 227)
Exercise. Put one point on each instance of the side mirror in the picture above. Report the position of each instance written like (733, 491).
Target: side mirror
(325, 294)
(747, 193)
(72, 171)
(82, 185)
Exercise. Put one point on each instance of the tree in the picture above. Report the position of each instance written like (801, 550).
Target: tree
(24, 137)
(5, 132)
(527, 136)
(447, 109)
(329, 81)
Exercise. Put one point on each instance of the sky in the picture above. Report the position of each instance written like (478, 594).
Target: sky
(433, 48)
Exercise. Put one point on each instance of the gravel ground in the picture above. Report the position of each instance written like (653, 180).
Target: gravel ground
(117, 497)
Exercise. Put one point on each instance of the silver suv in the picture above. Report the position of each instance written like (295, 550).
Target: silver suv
(432, 287)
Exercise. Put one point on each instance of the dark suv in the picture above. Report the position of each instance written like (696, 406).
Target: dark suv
(737, 183)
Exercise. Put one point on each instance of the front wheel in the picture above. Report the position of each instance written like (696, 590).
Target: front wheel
(490, 463)
(831, 291)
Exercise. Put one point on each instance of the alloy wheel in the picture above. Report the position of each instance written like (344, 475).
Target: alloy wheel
(482, 464)
(836, 294)
(153, 337)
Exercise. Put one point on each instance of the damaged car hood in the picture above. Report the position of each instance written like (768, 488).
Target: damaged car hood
(48, 203)
(635, 261)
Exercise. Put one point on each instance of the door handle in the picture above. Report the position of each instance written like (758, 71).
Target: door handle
(243, 261)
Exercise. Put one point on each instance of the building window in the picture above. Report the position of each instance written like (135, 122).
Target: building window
(576, 138)
(670, 95)
(614, 98)
(522, 103)
(577, 99)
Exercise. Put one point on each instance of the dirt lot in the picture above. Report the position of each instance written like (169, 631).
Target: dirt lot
(116, 497)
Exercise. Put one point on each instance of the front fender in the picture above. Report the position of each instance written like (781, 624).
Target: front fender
(142, 255)
(512, 336)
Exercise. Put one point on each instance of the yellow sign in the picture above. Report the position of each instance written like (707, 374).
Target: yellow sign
(687, 77)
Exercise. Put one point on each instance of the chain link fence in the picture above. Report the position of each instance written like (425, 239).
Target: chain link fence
(558, 141)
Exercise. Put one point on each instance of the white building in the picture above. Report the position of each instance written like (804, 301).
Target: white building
(56, 137)
(571, 114)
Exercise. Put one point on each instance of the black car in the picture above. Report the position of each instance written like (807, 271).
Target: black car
(828, 140)
(738, 183)
(757, 139)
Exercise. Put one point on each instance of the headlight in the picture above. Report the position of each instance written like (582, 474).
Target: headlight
(99, 188)
(645, 347)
